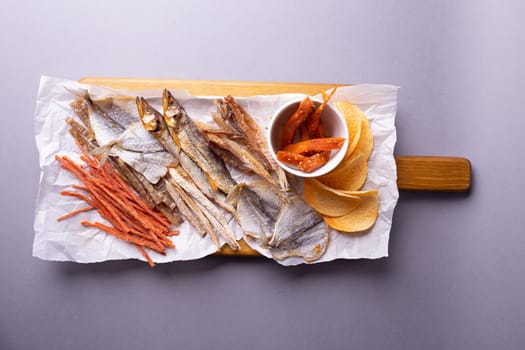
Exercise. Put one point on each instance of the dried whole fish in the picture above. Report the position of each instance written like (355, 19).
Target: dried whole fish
(194, 144)
(154, 123)
(242, 123)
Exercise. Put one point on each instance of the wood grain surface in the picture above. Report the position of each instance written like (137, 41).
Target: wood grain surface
(422, 173)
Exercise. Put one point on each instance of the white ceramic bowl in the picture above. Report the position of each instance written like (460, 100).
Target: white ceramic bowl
(335, 126)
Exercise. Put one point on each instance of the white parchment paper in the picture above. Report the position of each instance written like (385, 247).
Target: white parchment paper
(68, 240)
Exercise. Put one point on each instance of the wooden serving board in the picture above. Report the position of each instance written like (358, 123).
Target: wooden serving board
(413, 172)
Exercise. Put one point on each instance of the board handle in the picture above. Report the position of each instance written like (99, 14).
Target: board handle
(422, 173)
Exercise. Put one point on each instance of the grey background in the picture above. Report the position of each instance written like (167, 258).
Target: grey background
(455, 275)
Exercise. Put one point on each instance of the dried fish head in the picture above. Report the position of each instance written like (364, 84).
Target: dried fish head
(154, 122)
(151, 119)
(172, 109)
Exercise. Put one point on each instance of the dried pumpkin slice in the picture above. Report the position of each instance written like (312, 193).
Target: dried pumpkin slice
(361, 218)
(328, 201)
(349, 175)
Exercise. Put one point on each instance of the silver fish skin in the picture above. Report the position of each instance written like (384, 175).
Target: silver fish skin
(271, 198)
(105, 129)
(283, 223)
(153, 166)
(137, 139)
(299, 231)
(194, 144)
(256, 220)
(122, 109)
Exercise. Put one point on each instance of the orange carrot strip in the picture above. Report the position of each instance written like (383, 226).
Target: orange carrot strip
(167, 242)
(75, 194)
(145, 255)
(159, 219)
(127, 237)
(112, 195)
(115, 218)
(135, 199)
(118, 218)
(130, 216)
(147, 236)
(313, 121)
(173, 233)
(91, 161)
(289, 129)
(78, 187)
(75, 212)
(71, 167)
(315, 145)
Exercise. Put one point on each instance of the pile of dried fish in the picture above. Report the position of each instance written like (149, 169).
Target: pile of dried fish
(181, 168)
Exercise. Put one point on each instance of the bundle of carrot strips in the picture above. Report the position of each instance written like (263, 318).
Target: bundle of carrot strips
(131, 219)
(313, 149)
